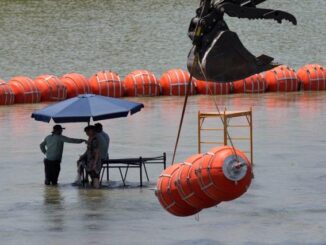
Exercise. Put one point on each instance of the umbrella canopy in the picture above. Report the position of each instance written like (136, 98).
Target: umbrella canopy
(85, 107)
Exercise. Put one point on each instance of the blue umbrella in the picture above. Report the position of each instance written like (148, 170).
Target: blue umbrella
(85, 107)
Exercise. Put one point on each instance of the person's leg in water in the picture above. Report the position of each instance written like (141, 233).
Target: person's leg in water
(55, 171)
(46, 172)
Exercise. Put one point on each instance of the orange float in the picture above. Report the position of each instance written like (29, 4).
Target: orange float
(51, 88)
(106, 83)
(224, 173)
(141, 83)
(212, 88)
(7, 96)
(312, 77)
(24, 90)
(188, 185)
(175, 82)
(168, 196)
(252, 84)
(282, 79)
(75, 84)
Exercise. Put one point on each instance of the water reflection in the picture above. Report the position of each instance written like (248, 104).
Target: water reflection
(53, 208)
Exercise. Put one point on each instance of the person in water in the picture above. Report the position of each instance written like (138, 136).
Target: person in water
(52, 147)
(104, 141)
(91, 159)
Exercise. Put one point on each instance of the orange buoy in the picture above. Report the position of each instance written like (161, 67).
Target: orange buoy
(212, 88)
(75, 84)
(188, 185)
(106, 83)
(253, 84)
(7, 96)
(141, 83)
(24, 90)
(51, 88)
(168, 196)
(224, 173)
(312, 77)
(175, 82)
(282, 79)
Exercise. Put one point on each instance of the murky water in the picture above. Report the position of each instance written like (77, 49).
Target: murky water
(286, 202)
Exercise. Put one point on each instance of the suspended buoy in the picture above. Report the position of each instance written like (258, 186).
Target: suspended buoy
(7, 96)
(141, 83)
(224, 173)
(76, 84)
(212, 88)
(312, 77)
(282, 79)
(51, 88)
(188, 185)
(175, 82)
(106, 83)
(252, 84)
(168, 196)
(24, 90)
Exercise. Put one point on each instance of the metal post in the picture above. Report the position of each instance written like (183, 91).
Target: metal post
(164, 159)
(199, 133)
(225, 124)
(251, 138)
(141, 171)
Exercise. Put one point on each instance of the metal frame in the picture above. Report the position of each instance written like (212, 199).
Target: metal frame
(226, 116)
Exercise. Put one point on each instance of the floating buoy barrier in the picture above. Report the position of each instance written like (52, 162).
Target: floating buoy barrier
(212, 88)
(24, 90)
(167, 193)
(190, 190)
(204, 180)
(7, 96)
(175, 82)
(253, 84)
(76, 84)
(106, 83)
(282, 79)
(141, 83)
(312, 77)
(51, 88)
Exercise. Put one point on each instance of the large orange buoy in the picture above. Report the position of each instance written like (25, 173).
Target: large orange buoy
(188, 185)
(51, 88)
(168, 196)
(253, 84)
(175, 82)
(7, 96)
(312, 77)
(212, 88)
(75, 84)
(282, 79)
(24, 90)
(224, 173)
(106, 83)
(141, 83)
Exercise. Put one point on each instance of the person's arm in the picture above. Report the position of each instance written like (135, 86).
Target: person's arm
(42, 146)
(71, 140)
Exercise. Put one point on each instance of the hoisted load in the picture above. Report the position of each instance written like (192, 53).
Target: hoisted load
(282, 79)
(76, 84)
(51, 88)
(212, 88)
(168, 196)
(312, 77)
(24, 89)
(7, 96)
(106, 83)
(141, 83)
(175, 82)
(218, 54)
(253, 84)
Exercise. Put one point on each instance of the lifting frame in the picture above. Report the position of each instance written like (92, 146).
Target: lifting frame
(226, 116)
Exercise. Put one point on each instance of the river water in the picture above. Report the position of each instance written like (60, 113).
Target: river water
(286, 202)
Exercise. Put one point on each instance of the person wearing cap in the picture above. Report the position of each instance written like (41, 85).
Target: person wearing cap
(52, 147)
(104, 141)
(91, 159)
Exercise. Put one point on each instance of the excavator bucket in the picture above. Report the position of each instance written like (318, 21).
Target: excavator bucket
(225, 59)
